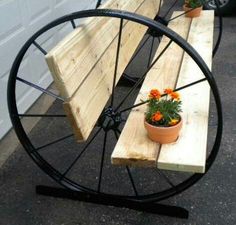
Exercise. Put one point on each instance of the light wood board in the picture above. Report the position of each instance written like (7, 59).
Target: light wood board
(189, 152)
(72, 59)
(89, 89)
(133, 147)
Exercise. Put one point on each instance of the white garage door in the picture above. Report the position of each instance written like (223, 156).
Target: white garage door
(19, 19)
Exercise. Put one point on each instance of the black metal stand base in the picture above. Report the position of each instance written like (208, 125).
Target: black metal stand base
(166, 210)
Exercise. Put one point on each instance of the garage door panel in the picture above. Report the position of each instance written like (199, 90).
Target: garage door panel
(37, 61)
(10, 24)
(4, 118)
(39, 22)
(32, 94)
(63, 31)
(12, 33)
(38, 9)
(63, 7)
(39, 14)
(23, 73)
(52, 35)
(9, 50)
(19, 19)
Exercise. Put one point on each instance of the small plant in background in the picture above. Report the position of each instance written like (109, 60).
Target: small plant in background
(194, 3)
(163, 111)
(193, 8)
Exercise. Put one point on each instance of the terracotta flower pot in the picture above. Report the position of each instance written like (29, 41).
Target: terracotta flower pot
(163, 135)
(193, 13)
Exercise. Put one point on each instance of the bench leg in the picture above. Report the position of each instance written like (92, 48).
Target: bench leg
(161, 209)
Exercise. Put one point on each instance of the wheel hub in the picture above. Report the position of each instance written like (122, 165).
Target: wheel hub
(109, 119)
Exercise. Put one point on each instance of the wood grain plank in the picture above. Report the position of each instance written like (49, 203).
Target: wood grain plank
(189, 152)
(74, 57)
(89, 100)
(133, 147)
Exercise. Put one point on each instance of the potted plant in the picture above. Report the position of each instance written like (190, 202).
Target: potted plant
(162, 118)
(193, 8)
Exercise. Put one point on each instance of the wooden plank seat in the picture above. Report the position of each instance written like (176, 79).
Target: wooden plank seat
(174, 69)
(82, 64)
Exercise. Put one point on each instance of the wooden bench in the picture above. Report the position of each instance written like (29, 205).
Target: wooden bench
(84, 78)
(173, 70)
(83, 75)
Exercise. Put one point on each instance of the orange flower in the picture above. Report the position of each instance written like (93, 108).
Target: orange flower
(154, 93)
(173, 122)
(157, 117)
(168, 91)
(175, 95)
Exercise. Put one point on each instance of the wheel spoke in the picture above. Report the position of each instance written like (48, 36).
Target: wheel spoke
(117, 61)
(117, 132)
(53, 142)
(180, 15)
(98, 3)
(143, 76)
(132, 180)
(73, 24)
(191, 84)
(171, 7)
(80, 154)
(177, 89)
(40, 115)
(165, 178)
(102, 161)
(39, 88)
(39, 48)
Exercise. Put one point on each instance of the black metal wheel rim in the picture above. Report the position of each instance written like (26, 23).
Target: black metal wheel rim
(54, 173)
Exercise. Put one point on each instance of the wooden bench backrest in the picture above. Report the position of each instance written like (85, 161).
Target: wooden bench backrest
(82, 64)
(174, 69)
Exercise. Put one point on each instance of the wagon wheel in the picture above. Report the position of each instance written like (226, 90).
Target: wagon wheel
(163, 17)
(104, 176)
